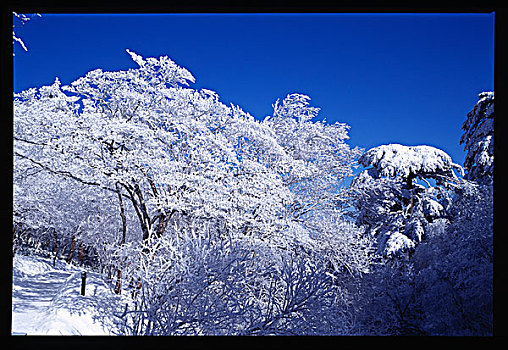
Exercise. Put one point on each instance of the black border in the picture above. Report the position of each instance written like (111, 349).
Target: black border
(252, 6)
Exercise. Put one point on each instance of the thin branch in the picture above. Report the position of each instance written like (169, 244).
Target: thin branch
(66, 174)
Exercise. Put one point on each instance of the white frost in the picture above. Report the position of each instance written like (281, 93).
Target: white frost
(397, 243)
(398, 160)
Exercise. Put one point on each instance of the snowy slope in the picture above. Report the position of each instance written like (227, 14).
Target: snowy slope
(46, 300)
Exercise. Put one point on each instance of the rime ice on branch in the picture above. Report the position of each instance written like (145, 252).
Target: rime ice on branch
(396, 160)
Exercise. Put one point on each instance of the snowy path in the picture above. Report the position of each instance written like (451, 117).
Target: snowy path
(31, 295)
(46, 300)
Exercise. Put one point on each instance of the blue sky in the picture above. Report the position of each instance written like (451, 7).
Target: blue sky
(394, 78)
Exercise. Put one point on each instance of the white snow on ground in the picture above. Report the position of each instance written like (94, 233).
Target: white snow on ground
(46, 300)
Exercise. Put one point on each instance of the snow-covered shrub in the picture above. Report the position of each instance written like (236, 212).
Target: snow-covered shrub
(388, 301)
(455, 266)
(209, 286)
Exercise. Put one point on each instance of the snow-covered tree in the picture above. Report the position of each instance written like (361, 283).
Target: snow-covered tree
(410, 163)
(321, 158)
(172, 155)
(318, 238)
(478, 140)
(455, 263)
(321, 161)
(173, 151)
(391, 203)
(446, 288)
(197, 200)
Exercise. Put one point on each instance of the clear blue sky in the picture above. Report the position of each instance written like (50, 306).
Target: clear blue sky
(394, 78)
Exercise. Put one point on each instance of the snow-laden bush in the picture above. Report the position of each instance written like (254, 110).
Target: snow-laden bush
(455, 266)
(196, 283)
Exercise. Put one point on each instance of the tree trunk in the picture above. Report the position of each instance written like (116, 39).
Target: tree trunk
(140, 208)
(71, 250)
(409, 186)
(409, 182)
(81, 254)
(14, 239)
(136, 285)
(55, 247)
(122, 215)
(118, 286)
(163, 223)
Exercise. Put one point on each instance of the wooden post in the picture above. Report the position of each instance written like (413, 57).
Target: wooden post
(83, 282)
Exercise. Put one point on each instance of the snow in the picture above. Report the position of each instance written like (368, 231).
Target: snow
(398, 243)
(478, 139)
(399, 160)
(485, 96)
(46, 300)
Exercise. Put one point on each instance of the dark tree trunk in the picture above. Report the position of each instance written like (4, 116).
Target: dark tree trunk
(136, 286)
(124, 219)
(163, 223)
(81, 254)
(71, 250)
(55, 246)
(409, 186)
(409, 182)
(118, 286)
(145, 222)
(140, 208)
